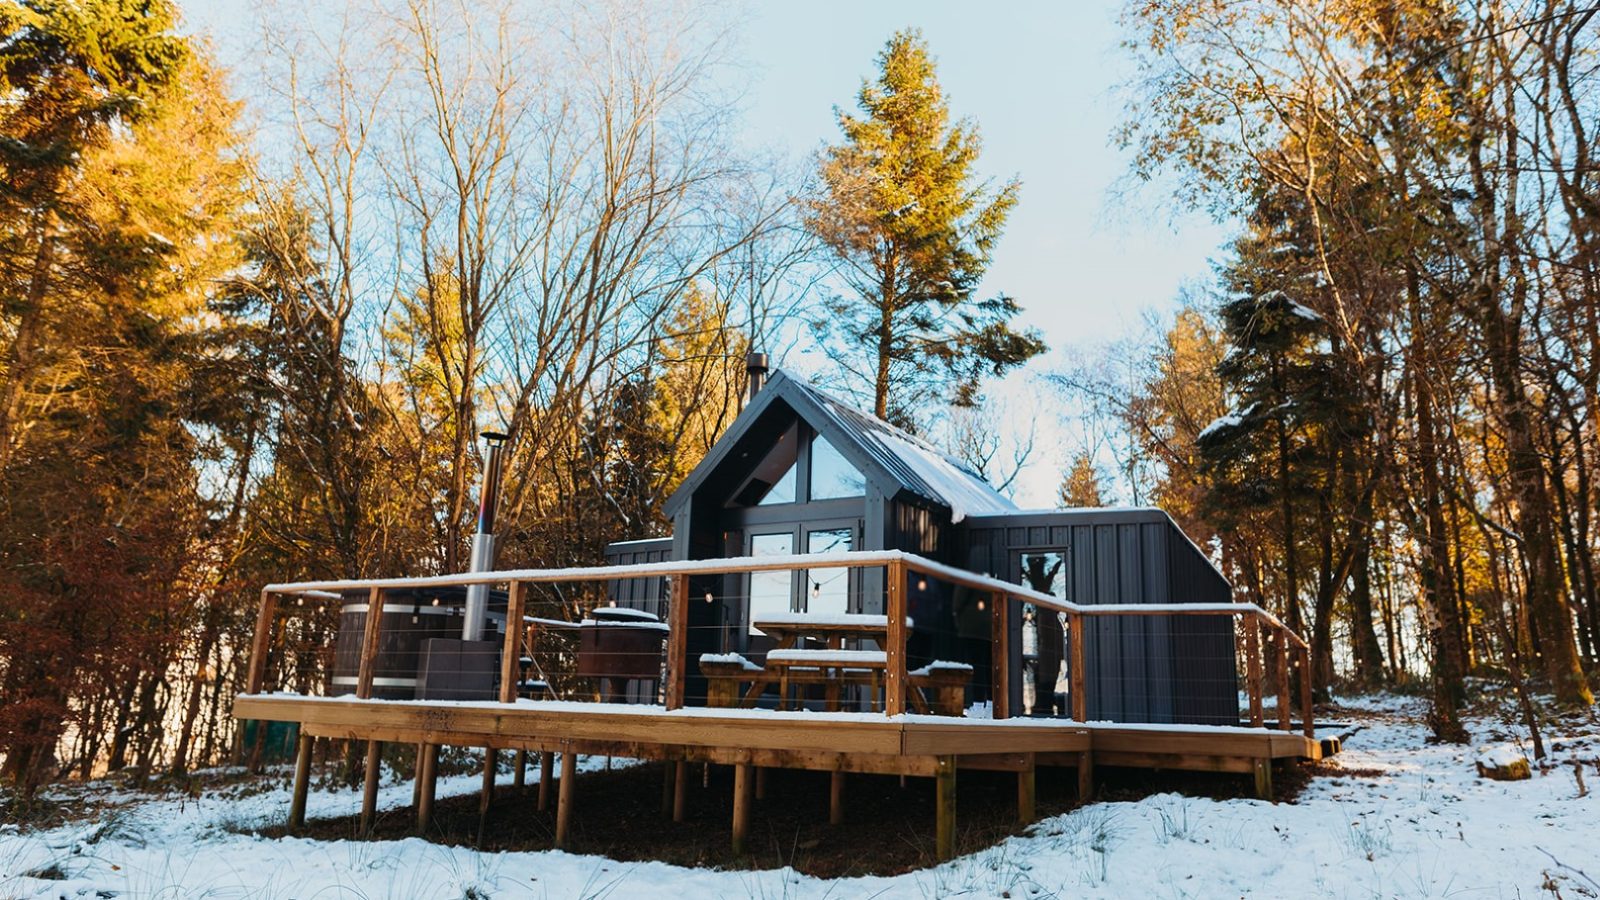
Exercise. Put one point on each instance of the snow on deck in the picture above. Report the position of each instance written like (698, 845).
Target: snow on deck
(1393, 816)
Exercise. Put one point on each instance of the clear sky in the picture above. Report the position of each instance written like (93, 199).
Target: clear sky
(1041, 79)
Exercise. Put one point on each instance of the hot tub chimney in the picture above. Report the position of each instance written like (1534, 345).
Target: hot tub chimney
(755, 367)
(483, 538)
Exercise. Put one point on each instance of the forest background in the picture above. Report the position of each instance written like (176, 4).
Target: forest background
(256, 303)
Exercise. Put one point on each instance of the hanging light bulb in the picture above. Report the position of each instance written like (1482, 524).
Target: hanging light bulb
(922, 584)
(816, 589)
(709, 598)
(981, 606)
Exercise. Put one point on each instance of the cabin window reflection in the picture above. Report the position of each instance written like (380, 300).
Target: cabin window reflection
(770, 592)
(832, 476)
(774, 479)
(1044, 682)
(828, 590)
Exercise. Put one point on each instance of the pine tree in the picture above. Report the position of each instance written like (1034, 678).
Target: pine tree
(1081, 486)
(914, 231)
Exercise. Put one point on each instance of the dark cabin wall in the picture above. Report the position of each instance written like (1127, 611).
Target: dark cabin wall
(648, 594)
(1155, 669)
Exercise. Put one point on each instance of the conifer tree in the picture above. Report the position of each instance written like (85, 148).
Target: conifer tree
(914, 229)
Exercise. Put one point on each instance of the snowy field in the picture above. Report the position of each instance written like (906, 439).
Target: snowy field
(1390, 817)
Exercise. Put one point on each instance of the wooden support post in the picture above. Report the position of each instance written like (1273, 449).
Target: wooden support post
(945, 800)
(486, 796)
(742, 785)
(1026, 794)
(1252, 653)
(1306, 711)
(1284, 706)
(1000, 655)
(369, 644)
(262, 646)
(510, 669)
(894, 676)
(680, 789)
(547, 764)
(1263, 774)
(369, 788)
(1085, 776)
(569, 774)
(761, 782)
(1076, 676)
(668, 773)
(416, 774)
(677, 641)
(835, 798)
(428, 774)
(302, 781)
(519, 763)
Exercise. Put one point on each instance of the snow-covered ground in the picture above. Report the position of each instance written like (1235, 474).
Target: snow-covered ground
(1391, 817)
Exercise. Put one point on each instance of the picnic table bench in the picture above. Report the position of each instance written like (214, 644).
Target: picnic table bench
(830, 666)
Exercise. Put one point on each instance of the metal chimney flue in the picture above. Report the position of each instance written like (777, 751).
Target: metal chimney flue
(477, 608)
(755, 367)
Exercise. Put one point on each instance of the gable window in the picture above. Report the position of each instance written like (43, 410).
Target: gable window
(832, 476)
(774, 479)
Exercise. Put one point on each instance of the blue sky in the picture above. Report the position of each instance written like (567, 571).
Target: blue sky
(1042, 81)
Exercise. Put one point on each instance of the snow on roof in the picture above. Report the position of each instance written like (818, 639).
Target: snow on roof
(922, 468)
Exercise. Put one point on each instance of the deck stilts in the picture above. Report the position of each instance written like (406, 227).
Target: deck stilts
(369, 788)
(1026, 795)
(1263, 773)
(836, 798)
(416, 774)
(945, 800)
(486, 796)
(1085, 776)
(569, 773)
(546, 772)
(302, 782)
(519, 770)
(427, 780)
(743, 784)
(761, 782)
(668, 772)
(680, 789)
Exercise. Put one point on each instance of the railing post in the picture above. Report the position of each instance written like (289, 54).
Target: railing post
(1252, 652)
(1282, 638)
(263, 642)
(1305, 693)
(677, 641)
(369, 644)
(1076, 676)
(894, 677)
(510, 656)
(1000, 654)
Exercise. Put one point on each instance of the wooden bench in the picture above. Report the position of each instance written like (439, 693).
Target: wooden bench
(725, 673)
(946, 682)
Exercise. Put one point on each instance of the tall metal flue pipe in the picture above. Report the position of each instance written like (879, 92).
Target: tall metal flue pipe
(483, 539)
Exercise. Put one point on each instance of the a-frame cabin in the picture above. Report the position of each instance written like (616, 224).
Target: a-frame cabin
(800, 472)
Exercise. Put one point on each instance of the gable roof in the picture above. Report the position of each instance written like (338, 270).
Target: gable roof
(892, 460)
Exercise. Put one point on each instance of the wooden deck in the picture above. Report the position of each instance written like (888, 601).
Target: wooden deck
(907, 745)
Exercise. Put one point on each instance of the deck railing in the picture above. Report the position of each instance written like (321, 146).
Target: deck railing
(1260, 635)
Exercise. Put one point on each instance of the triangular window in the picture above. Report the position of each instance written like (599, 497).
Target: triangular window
(774, 479)
(832, 476)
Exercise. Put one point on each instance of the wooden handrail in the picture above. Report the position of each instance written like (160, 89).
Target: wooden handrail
(894, 676)
(516, 600)
(1257, 623)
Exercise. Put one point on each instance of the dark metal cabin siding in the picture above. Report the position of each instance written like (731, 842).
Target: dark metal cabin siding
(1153, 669)
(1204, 645)
(648, 594)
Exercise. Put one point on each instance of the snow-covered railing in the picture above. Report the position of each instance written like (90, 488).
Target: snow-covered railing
(1258, 626)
